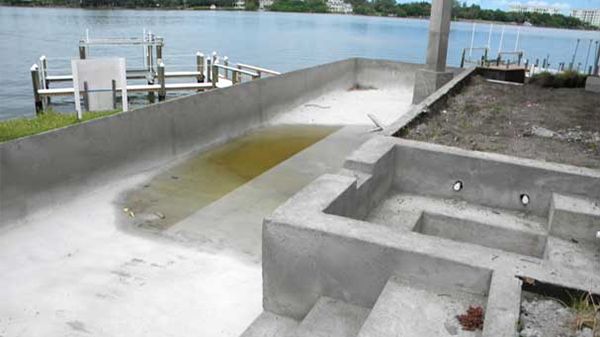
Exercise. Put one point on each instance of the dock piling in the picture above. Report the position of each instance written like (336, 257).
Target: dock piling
(162, 92)
(208, 71)
(215, 75)
(200, 67)
(149, 59)
(44, 78)
(35, 79)
(86, 97)
(114, 94)
(226, 63)
(151, 73)
(82, 51)
(159, 52)
(237, 76)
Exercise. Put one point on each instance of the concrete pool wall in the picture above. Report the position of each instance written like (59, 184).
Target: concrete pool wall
(41, 170)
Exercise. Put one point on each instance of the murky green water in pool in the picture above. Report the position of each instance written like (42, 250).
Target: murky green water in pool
(180, 191)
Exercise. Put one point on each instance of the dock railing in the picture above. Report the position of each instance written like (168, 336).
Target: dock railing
(259, 71)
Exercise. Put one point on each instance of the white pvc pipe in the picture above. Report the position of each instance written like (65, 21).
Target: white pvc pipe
(518, 35)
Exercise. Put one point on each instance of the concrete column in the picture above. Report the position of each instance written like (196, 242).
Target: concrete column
(439, 30)
(434, 76)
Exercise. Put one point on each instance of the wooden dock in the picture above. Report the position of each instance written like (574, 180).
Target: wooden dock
(208, 73)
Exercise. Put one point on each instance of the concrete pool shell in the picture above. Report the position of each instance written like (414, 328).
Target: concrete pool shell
(62, 210)
(357, 252)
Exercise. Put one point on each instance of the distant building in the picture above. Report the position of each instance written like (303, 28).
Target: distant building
(339, 6)
(524, 8)
(591, 16)
(264, 4)
(240, 4)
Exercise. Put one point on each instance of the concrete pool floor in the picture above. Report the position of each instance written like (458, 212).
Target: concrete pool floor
(74, 271)
(351, 107)
(178, 192)
(71, 272)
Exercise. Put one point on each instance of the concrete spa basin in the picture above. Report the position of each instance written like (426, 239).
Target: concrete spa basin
(514, 205)
(411, 234)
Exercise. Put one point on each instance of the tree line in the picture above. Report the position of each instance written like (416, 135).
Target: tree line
(122, 3)
(465, 12)
(460, 11)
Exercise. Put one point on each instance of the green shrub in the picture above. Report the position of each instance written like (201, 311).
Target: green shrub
(308, 6)
(566, 79)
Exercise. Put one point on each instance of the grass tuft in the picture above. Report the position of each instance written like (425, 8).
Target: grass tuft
(585, 310)
(22, 127)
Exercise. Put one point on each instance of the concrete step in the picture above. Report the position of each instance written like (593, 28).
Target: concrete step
(332, 318)
(574, 218)
(268, 324)
(409, 311)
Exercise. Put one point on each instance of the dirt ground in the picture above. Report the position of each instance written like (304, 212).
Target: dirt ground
(556, 125)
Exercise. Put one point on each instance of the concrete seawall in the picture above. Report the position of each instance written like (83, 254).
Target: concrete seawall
(44, 169)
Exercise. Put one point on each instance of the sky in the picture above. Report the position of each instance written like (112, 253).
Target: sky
(565, 5)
